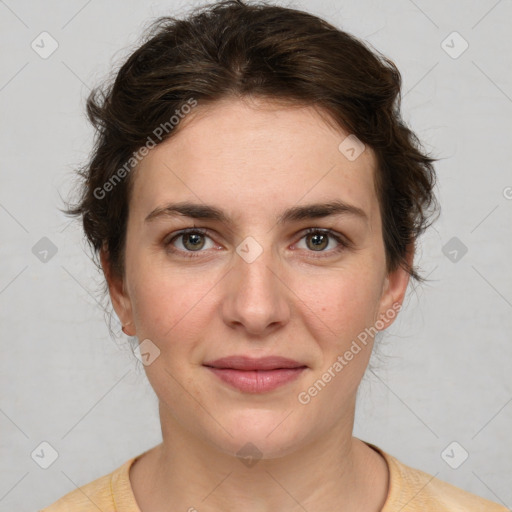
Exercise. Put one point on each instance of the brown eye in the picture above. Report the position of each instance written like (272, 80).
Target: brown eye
(193, 241)
(189, 241)
(319, 241)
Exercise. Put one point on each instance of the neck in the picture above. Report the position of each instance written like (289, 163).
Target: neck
(335, 472)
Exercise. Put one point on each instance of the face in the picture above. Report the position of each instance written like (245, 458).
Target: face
(266, 275)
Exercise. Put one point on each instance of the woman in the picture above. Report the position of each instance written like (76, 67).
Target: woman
(254, 198)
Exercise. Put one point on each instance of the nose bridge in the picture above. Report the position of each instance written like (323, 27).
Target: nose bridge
(256, 296)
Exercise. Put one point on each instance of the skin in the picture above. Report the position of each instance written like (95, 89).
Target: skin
(254, 159)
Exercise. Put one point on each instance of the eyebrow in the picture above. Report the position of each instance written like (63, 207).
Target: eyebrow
(293, 214)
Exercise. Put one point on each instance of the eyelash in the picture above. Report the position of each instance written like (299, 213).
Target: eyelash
(343, 243)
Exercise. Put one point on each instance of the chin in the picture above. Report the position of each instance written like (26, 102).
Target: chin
(260, 434)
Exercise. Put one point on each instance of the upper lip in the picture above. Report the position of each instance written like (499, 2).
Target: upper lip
(250, 363)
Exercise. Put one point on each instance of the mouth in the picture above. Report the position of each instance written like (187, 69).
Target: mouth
(251, 375)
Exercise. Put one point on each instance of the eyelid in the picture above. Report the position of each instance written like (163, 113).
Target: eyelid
(343, 242)
(327, 231)
(176, 234)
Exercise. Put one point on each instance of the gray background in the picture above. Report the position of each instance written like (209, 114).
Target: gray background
(443, 374)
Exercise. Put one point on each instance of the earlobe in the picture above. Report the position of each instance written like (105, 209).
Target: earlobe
(118, 296)
(393, 291)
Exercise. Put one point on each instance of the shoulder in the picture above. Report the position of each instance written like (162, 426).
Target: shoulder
(411, 490)
(100, 494)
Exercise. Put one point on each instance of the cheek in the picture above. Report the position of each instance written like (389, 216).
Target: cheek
(341, 312)
(171, 311)
(342, 305)
(168, 306)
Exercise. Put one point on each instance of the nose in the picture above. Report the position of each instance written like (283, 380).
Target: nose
(256, 300)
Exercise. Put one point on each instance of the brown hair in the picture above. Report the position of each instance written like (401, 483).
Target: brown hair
(235, 49)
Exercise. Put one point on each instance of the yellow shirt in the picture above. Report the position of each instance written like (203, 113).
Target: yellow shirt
(410, 490)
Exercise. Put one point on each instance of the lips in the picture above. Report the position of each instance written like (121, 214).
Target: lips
(248, 363)
(251, 375)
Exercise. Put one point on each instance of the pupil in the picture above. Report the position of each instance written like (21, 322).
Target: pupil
(318, 240)
(194, 240)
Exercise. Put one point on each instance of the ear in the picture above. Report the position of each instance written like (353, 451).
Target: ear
(117, 290)
(393, 292)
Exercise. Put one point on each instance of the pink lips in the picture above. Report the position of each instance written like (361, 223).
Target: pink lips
(256, 375)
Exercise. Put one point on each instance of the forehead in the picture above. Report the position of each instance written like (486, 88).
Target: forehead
(253, 158)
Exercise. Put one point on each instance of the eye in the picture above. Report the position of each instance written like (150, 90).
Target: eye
(192, 240)
(317, 240)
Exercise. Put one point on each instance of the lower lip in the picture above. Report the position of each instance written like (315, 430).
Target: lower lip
(257, 381)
